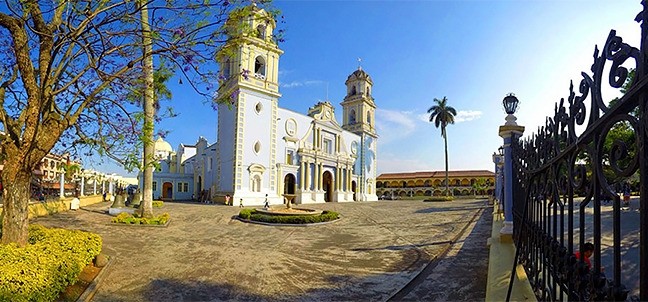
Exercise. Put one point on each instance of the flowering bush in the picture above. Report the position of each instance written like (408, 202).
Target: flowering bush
(52, 260)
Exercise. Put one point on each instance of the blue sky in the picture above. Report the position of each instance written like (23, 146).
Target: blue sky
(472, 52)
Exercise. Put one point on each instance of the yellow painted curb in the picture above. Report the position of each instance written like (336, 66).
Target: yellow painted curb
(500, 263)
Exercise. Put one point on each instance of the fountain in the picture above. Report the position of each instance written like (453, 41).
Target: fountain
(289, 210)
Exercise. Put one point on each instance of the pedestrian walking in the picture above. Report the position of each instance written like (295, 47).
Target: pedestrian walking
(227, 199)
(588, 250)
(626, 195)
(266, 205)
(241, 203)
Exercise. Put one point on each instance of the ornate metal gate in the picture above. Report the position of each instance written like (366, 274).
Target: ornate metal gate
(563, 178)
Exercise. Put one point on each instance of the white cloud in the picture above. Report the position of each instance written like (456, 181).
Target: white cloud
(467, 115)
(283, 72)
(301, 83)
(392, 121)
(462, 116)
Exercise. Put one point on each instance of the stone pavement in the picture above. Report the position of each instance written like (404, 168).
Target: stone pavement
(372, 253)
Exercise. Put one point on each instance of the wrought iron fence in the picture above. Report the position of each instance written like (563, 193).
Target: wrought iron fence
(564, 179)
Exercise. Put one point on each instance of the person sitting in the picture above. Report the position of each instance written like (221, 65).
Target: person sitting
(588, 250)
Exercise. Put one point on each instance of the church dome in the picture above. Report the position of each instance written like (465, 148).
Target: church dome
(161, 145)
(359, 74)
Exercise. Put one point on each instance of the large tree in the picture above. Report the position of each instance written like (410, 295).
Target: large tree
(442, 115)
(67, 69)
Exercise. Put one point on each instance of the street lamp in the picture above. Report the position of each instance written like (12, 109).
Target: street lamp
(510, 103)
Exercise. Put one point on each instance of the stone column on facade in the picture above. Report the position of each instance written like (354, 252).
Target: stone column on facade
(349, 172)
(316, 177)
(337, 178)
(62, 188)
(320, 178)
(302, 175)
(82, 185)
(111, 187)
(308, 176)
(94, 187)
(510, 132)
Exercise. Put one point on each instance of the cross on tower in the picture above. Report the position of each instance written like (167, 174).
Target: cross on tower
(359, 63)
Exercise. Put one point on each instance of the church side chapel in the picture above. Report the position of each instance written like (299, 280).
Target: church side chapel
(264, 151)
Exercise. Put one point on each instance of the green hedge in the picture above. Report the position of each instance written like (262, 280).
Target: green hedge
(440, 198)
(158, 203)
(130, 219)
(52, 260)
(253, 215)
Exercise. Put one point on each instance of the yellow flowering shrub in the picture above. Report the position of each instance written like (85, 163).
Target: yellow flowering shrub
(51, 261)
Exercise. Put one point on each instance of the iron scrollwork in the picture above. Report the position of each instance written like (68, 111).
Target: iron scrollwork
(557, 164)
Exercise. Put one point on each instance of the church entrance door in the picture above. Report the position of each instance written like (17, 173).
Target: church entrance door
(327, 182)
(353, 189)
(289, 184)
(167, 190)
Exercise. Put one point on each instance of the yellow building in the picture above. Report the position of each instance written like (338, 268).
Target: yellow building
(462, 183)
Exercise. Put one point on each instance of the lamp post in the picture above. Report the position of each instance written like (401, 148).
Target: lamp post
(510, 132)
(498, 160)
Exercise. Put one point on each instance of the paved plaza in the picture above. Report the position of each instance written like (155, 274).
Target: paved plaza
(377, 251)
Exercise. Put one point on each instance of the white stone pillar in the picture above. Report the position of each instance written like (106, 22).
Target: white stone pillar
(308, 176)
(302, 175)
(62, 188)
(349, 172)
(111, 187)
(320, 176)
(94, 186)
(337, 178)
(82, 185)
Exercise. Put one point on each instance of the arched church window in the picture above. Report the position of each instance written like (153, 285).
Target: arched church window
(368, 91)
(259, 66)
(256, 183)
(226, 69)
(352, 117)
(257, 147)
(261, 32)
(368, 117)
(353, 90)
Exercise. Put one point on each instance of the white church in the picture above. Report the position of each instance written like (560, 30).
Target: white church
(265, 151)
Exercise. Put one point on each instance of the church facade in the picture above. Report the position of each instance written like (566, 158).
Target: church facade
(264, 151)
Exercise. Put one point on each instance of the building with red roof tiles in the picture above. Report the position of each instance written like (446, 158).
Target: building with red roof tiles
(432, 183)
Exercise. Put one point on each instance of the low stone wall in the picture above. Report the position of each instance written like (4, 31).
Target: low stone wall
(51, 207)
(500, 264)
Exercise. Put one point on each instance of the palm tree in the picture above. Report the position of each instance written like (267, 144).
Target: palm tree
(442, 115)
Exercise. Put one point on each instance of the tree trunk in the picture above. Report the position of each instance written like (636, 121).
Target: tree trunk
(445, 140)
(15, 218)
(149, 114)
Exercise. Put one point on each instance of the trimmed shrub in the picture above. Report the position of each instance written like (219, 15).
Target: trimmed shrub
(52, 260)
(158, 203)
(292, 219)
(440, 198)
(245, 213)
(130, 219)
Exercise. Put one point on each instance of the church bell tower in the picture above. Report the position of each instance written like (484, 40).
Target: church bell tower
(358, 105)
(247, 99)
(359, 117)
